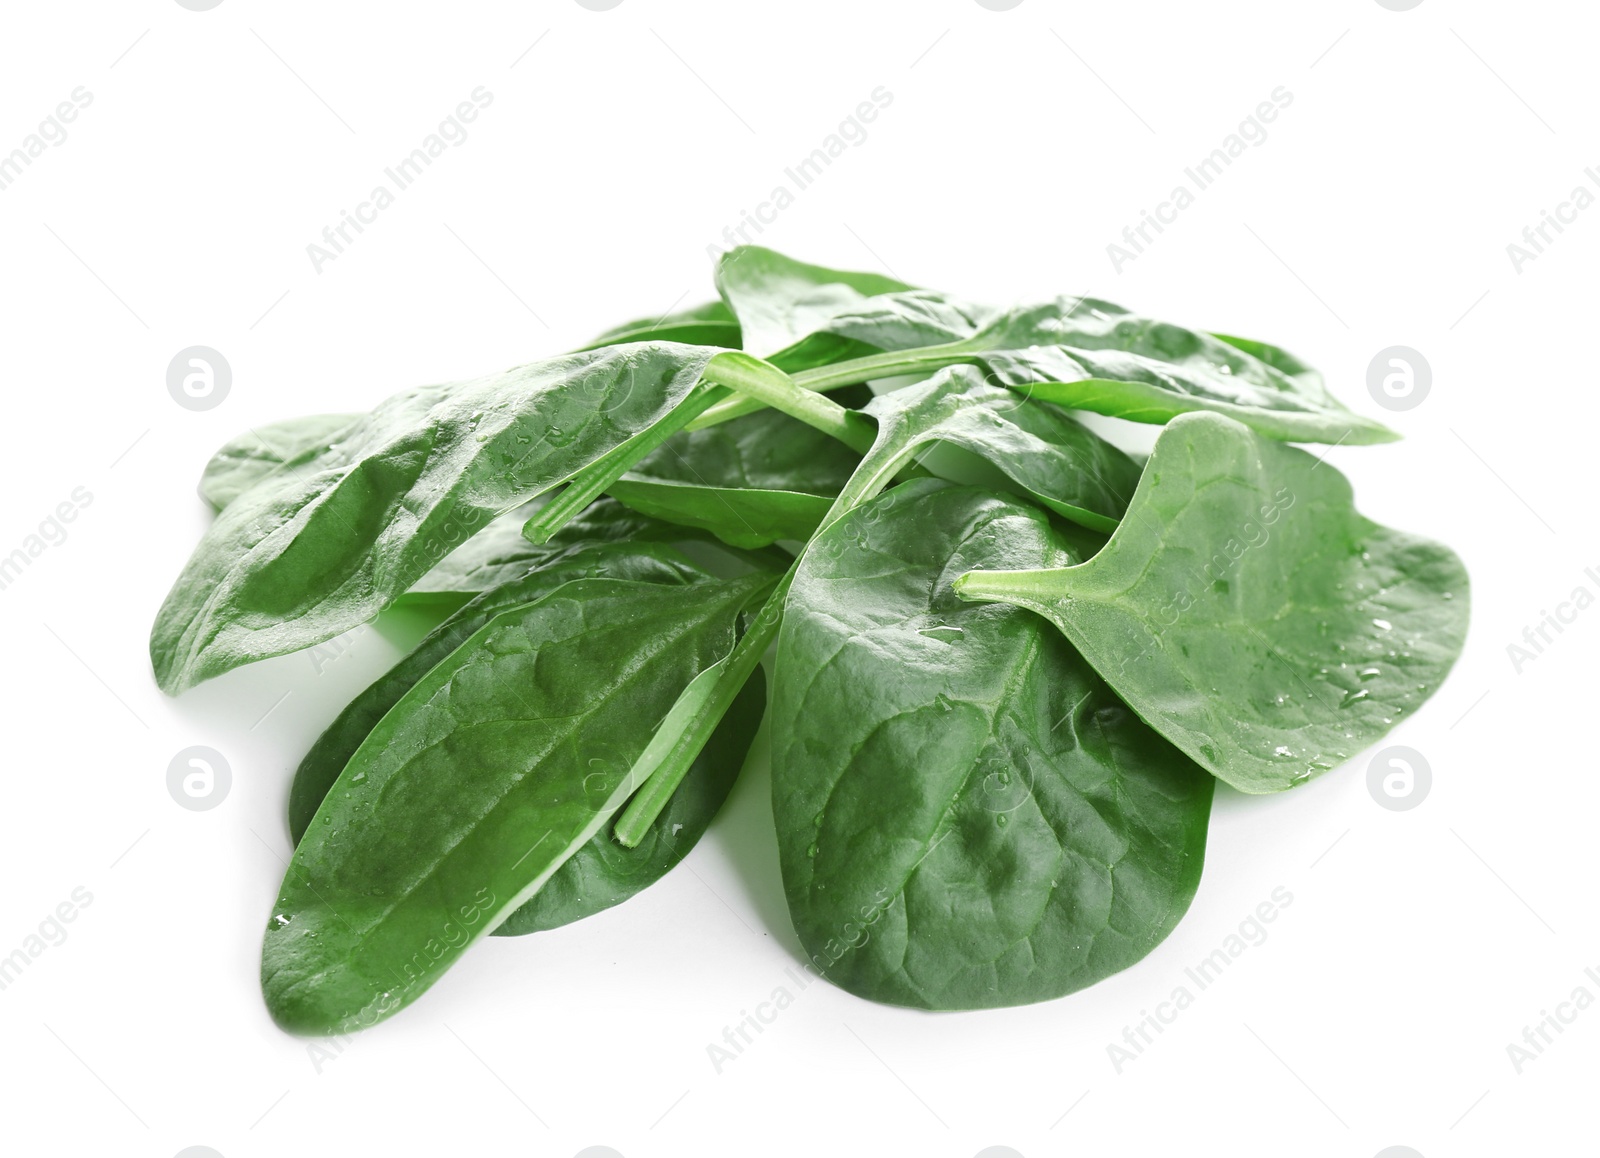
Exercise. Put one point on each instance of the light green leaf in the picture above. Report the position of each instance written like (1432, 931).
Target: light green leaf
(256, 453)
(780, 301)
(1248, 613)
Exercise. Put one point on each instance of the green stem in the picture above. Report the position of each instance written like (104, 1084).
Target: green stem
(593, 480)
(1037, 586)
(706, 700)
(694, 717)
(764, 383)
(923, 360)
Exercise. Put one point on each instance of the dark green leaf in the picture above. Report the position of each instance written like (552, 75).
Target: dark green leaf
(308, 554)
(1249, 613)
(563, 562)
(967, 816)
(603, 873)
(752, 481)
(494, 769)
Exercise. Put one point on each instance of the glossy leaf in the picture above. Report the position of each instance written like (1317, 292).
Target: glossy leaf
(712, 324)
(780, 301)
(639, 562)
(602, 873)
(1249, 613)
(306, 555)
(256, 453)
(967, 816)
(752, 481)
(1053, 459)
(492, 771)
(501, 553)
(1088, 354)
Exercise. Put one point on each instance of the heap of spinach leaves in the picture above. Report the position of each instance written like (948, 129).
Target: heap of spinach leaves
(1007, 675)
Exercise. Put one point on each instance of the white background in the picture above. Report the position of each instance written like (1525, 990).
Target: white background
(617, 148)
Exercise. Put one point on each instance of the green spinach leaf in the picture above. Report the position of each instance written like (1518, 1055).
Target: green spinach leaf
(712, 324)
(967, 816)
(249, 458)
(1054, 460)
(780, 301)
(562, 564)
(495, 768)
(1248, 613)
(308, 554)
(1088, 354)
(603, 873)
(751, 482)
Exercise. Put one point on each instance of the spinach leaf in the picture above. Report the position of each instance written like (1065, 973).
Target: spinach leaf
(751, 481)
(501, 553)
(1075, 473)
(495, 555)
(603, 873)
(1248, 613)
(493, 770)
(563, 564)
(256, 453)
(780, 301)
(712, 324)
(1088, 354)
(308, 554)
(1279, 359)
(1054, 460)
(967, 816)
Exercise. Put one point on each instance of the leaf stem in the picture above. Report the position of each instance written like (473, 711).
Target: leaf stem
(700, 708)
(595, 479)
(688, 726)
(1007, 586)
(925, 359)
(765, 384)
